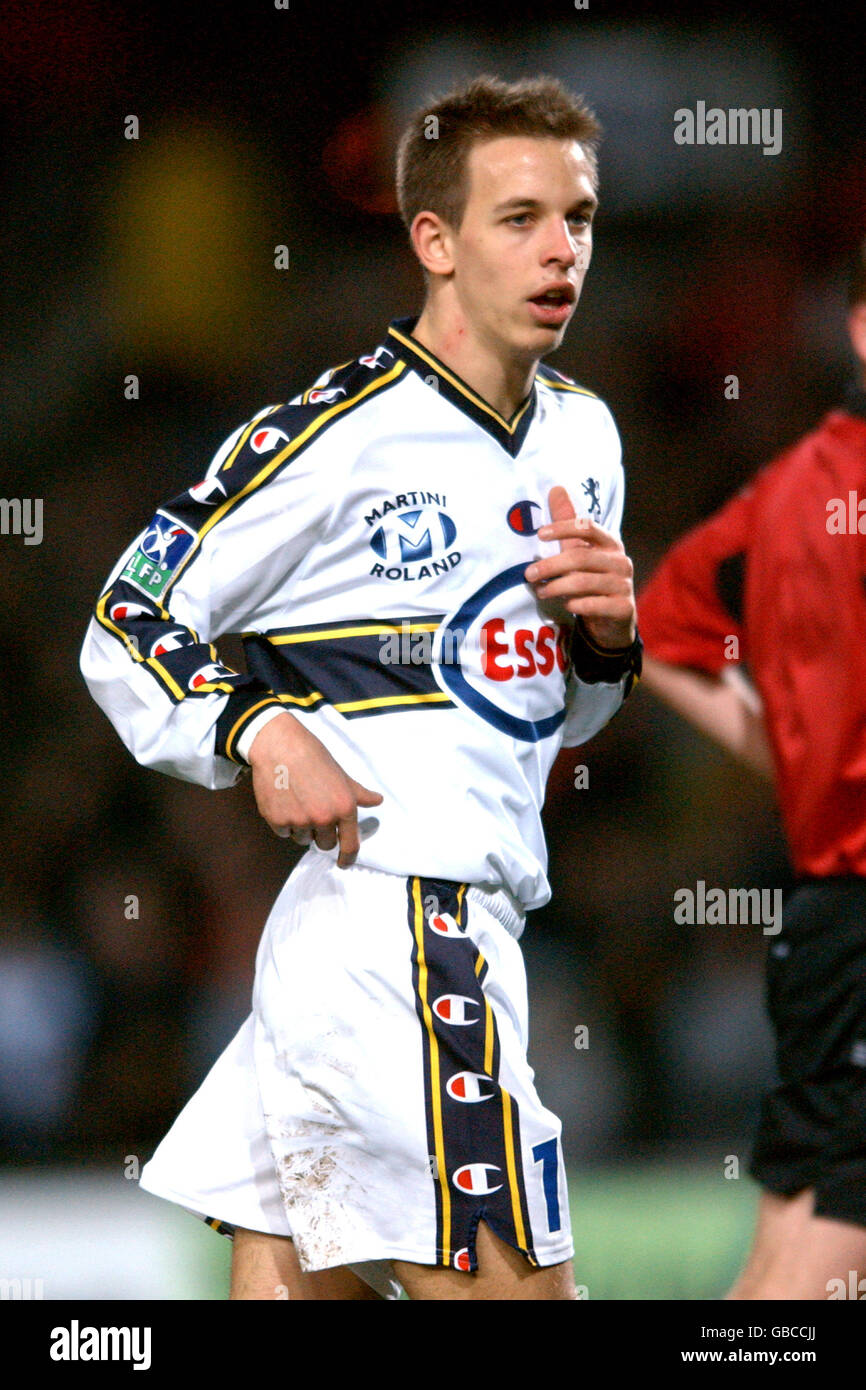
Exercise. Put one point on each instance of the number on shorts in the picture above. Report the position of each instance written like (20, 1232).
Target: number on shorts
(546, 1155)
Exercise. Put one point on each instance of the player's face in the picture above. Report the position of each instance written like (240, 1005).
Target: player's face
(527, 229)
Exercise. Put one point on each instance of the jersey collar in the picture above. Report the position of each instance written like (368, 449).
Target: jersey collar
(509, 433)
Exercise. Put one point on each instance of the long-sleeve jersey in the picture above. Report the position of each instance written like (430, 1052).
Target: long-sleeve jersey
(777, 578)
(368, 540)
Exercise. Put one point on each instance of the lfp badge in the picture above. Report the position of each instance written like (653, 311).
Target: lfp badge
(162, 547)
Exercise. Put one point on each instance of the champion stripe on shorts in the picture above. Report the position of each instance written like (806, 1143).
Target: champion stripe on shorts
(473, 1124)
(378, 1102)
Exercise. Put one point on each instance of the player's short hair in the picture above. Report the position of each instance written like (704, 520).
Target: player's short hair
(432, 156)
(857, 277)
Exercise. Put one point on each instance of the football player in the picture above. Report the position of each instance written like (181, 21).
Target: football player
(426, 620)
(777, 579)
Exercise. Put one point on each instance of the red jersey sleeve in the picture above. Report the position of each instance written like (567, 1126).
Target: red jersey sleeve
(692, 606)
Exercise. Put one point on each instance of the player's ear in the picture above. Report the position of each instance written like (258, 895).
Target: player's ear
(432, 242)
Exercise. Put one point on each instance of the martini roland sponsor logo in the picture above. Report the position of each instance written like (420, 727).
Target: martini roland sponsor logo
(77, 1343)
(412, 536)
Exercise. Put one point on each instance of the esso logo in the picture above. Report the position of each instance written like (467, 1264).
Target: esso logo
(526, 653)
(500, 657)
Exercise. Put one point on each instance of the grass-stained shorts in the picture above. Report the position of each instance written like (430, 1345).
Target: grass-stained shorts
(378, 1103)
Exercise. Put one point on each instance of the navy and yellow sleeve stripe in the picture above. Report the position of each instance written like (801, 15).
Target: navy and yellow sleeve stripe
(136, 609)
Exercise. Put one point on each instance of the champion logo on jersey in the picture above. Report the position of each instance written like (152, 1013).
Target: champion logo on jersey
(267, 438)
(470, 1087)
(207, 489)
(372, 359)
(473, 1177)
(325, 393)
(169, 642)
(206, 675)
(444, 925)
(456, 1009)
(413, 535)
(462, 1260)
(525, 518)
(120, 612)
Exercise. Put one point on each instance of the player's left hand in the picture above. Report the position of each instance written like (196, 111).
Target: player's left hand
(590, 578)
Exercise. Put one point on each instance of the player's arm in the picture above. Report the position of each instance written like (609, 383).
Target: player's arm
(209, 563)
(690, 615)
(726, 708)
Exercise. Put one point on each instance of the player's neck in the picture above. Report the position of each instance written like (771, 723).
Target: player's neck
(504, 385)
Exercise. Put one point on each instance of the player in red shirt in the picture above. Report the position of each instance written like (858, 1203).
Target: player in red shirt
(777, 579)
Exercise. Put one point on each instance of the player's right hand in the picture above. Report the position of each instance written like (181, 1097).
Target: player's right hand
(301, 791)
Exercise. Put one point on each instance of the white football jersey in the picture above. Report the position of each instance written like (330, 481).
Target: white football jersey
(369, 541)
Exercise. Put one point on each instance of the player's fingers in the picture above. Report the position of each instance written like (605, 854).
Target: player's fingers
(284, 831)
(600, 580)
(350, 840)
(363, 795)
(579, 585)
(326, 836)
(587, 559)
(560, 504)
(281, 809)
(579, 528)
(615, 609)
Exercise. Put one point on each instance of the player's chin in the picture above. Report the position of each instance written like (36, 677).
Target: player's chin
(544, 337)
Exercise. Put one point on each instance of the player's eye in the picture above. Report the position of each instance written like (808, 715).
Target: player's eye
(521, 217)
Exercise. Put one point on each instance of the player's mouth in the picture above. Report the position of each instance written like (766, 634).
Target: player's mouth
(553, 305)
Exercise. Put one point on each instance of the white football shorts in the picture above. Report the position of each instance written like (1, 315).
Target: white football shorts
(377, 1103)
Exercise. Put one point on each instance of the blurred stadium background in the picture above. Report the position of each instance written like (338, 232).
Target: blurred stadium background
(154, 257)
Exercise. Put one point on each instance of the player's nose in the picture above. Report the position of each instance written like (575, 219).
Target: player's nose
(561, 245)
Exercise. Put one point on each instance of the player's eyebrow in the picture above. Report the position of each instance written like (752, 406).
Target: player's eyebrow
(510, 204)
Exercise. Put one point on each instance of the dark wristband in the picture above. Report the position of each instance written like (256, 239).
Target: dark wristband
(593, 664)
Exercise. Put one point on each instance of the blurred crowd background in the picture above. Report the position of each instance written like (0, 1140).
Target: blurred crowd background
(154, 257)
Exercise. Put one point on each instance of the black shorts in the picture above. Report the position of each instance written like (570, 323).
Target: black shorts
(812, 1130)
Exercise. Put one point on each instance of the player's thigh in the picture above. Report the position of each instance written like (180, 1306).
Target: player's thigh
(503, 1273)
(267, 1267)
